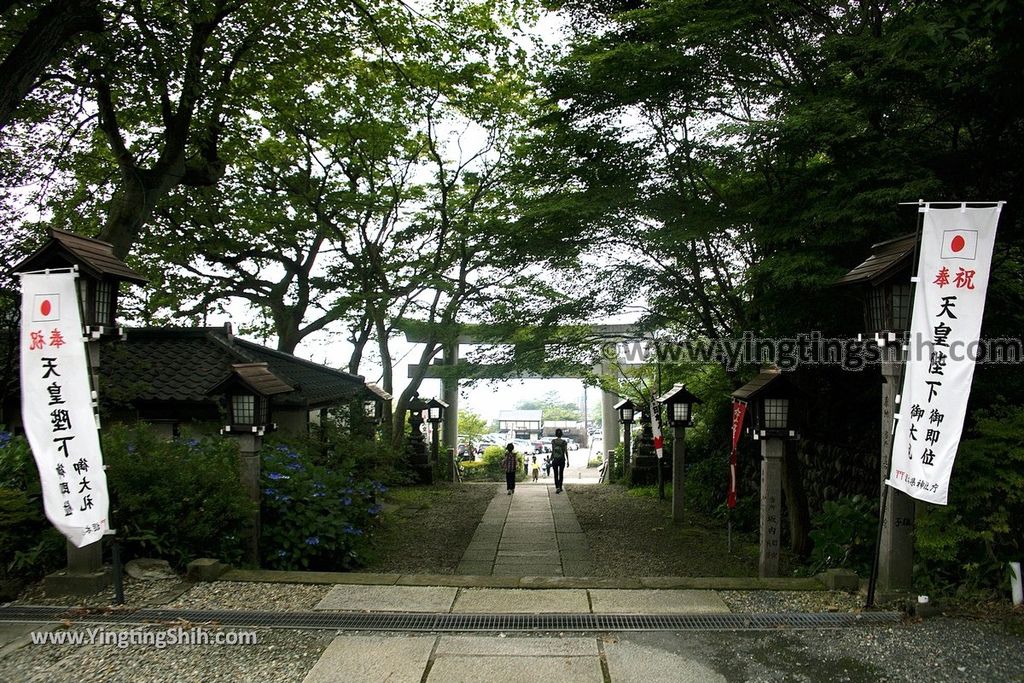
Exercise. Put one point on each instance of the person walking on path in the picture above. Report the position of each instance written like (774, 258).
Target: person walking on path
(510, 467)
(536, 468)
(559, 455)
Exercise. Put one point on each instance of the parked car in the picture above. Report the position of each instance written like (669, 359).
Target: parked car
(544, 444)
(525, 447)
(572, 445)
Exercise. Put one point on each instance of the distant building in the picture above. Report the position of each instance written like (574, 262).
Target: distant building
(571, 429)
(525, 424)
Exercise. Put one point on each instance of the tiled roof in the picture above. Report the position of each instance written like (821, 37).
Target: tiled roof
(318, 384)
(886, 259)
(94, 257)
(183, 364)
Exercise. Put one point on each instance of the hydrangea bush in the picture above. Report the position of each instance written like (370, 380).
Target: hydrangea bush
(314, 517)
(177, 499)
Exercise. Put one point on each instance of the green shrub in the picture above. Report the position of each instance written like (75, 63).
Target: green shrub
(313, 517)
(17, 467)
(29, 545)
(650, 491)
(964, 546)
(332, 445)
(707, 485)
(474, 470)
(844, 535)
(596, 461)
(177, 499)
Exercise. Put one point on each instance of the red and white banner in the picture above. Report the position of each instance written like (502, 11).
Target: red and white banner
(739, 409)
(659, 441)
(949, 299)
(56, 407)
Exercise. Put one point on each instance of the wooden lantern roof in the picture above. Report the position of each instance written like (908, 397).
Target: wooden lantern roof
(887, 260)
(93, 257)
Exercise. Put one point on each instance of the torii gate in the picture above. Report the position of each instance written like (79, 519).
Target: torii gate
(418, 332)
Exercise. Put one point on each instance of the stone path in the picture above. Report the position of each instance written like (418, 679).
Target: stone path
(531, 533)
(470, 659)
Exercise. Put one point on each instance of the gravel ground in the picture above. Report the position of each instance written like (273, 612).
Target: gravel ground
(792, 601)
(278, 656)
(611, 518)
(934, 651)
(426, 530)
(136, 594)
(276, 597)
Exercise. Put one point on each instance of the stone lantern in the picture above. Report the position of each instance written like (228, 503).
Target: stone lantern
(419, 457)
(679, 404)
(436, 410)
(884, 280)
(626, 412)
(247, 391)
(770, 400)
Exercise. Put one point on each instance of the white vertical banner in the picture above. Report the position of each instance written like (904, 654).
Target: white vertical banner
(949, 300)
(56, 406)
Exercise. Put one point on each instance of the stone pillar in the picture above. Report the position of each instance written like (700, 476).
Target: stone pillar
(896, 553)
(772, 453)
(249, 444)
(450, 395)
(678, 464)
(609, 421)
(627, 450)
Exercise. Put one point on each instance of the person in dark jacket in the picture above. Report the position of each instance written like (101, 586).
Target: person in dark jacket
(510, 467)
(559, 456)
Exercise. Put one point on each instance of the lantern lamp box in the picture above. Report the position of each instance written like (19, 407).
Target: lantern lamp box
(680, 404)
(248, 389)
(772, 401)
(100, 274)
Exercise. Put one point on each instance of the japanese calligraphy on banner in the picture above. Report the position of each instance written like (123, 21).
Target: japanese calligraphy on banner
(57, 407)
(739, 409)
(949, 299)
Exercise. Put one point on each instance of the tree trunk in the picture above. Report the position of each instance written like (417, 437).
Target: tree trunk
(39, 46)
(796, 504)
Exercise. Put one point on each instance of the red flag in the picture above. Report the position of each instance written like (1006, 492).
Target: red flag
(739, 409)
(659, 442)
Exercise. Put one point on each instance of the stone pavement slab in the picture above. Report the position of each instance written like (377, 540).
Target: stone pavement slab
(520, 601)
(352, 598)
(635, 662)
(471, 568)
(655, 601)
(373, 658)
(474, 669)
(533, 533)
(520, 569)
(485, 646)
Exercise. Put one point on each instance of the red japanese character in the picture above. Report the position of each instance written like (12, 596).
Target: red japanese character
(964, 279)
(57, 338)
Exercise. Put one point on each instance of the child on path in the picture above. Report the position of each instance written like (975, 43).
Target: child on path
(510, 467)
(536, 468)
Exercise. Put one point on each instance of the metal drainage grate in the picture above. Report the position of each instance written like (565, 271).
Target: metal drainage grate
(407, 621)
